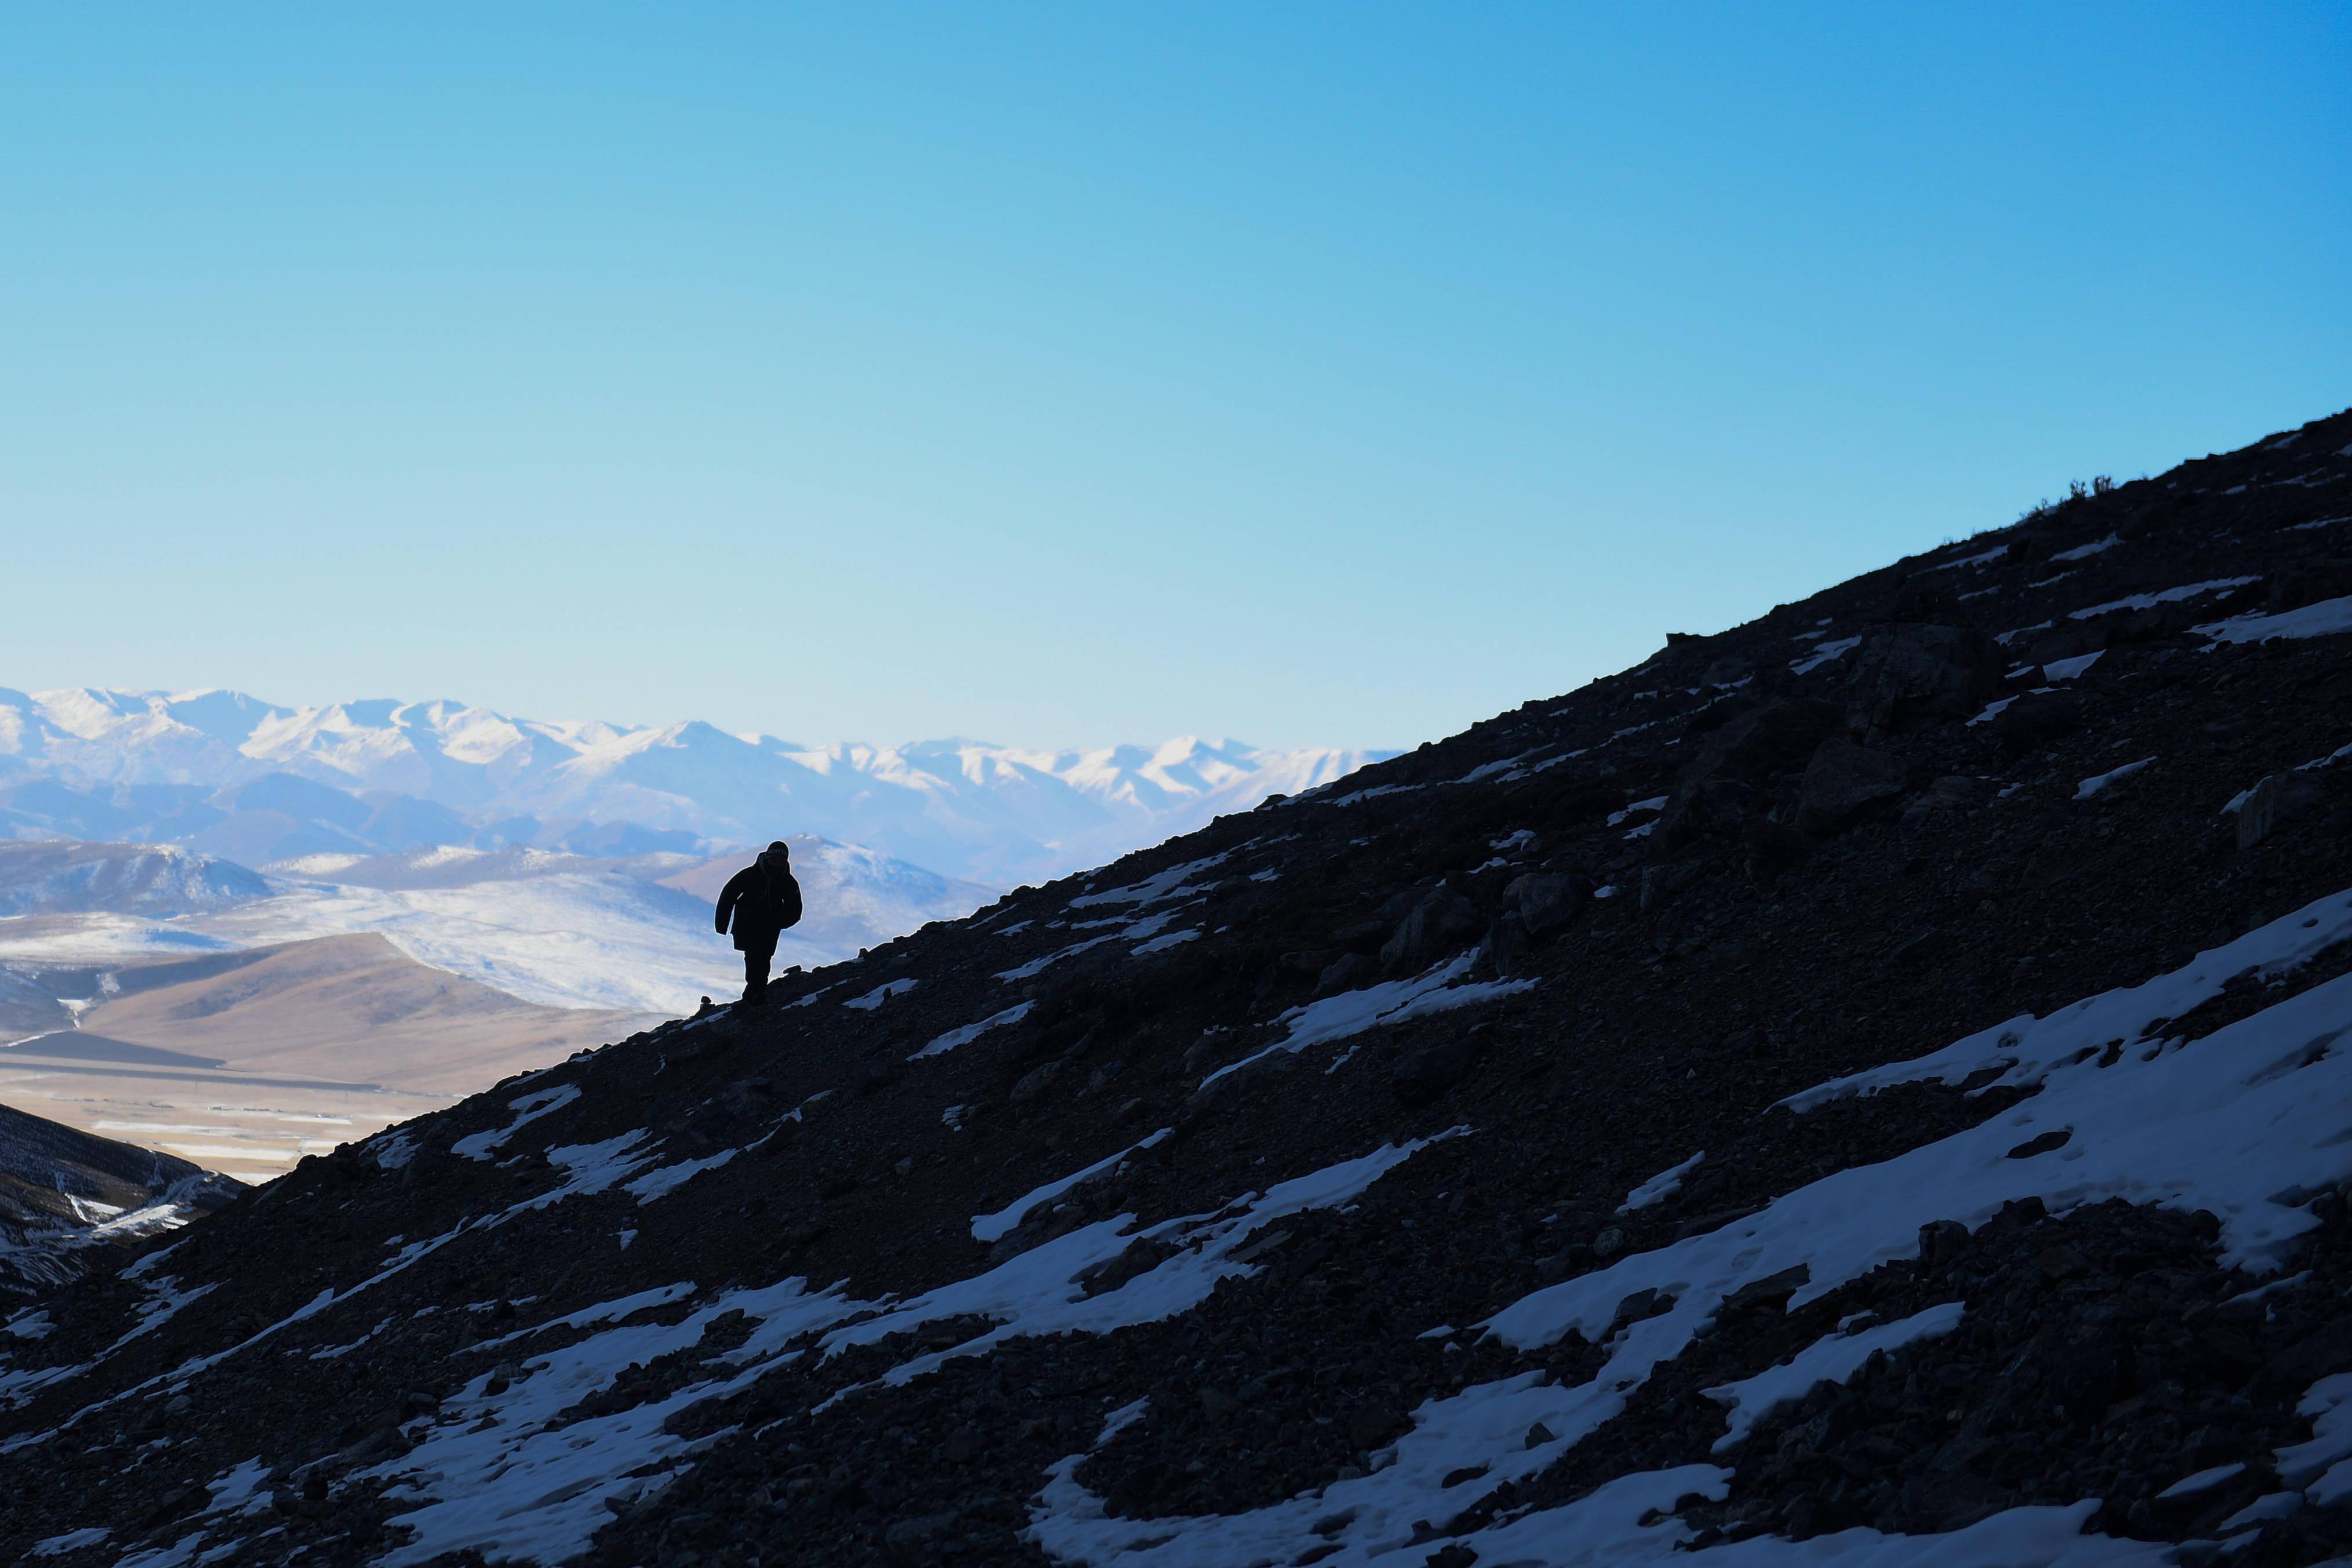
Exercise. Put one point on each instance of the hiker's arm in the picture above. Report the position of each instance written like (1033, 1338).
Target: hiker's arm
(727, 896)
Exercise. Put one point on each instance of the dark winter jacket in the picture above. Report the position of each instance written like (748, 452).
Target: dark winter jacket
(763, 899)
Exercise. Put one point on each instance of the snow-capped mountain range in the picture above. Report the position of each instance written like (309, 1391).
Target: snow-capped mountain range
(154, 765)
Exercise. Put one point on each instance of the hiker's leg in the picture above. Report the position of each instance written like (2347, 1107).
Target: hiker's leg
(755, 974)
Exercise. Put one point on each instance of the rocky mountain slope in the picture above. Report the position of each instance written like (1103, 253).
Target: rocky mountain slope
(1865, 1087)
(72, 1202)
(251, 782)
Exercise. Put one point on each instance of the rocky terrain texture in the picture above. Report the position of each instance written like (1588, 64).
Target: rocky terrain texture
(72, 1202)
(1867, 1086)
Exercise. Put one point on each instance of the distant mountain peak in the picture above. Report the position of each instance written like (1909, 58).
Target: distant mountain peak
(963, 808)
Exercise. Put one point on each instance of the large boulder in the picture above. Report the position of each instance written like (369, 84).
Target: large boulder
(1548, 900)
(1842, 779)
(1918, 670)
(1438, 924)
(1719, 788)
(1773, 738)
(2277, 800)
(1423, 1076)
(2037, 719)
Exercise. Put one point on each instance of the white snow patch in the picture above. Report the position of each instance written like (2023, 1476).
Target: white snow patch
(587, 1168)
(2323, 1466)
(502, 1480)
(2070, 669)
(1821, 655)
(1391, 1001)
(1984, 559)
(2326, 618)
(989, 1227)
(2164, 596)
(1162, 944)
(71, 1540)
(1992, 710)
(967, 1033)
(880, 994)
(1040, 1291)
(2084, 552)
(1660, 1187)
(662, 1180)
(1037, 966)
(393, 1149)
(545, 1102)
(2098, 783)
(2204, 1481)
(1834, 1358)
(1153, 888)
(1373, 794)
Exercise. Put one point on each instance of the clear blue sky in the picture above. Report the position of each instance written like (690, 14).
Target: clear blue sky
(1059, 374)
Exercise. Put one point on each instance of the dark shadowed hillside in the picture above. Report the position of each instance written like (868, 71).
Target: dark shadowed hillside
(1868, 1086)
(71, 1203)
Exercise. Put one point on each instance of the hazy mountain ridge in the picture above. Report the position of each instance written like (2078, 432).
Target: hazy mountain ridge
(216, 768)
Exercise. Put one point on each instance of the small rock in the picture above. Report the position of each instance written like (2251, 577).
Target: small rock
(1772, 847)
(1609, 1243)
(909, 1534)
(1642, 1303)
(1505, 949)
(2317, 1354)
(1370, 1426)
(1538, 1435)
(2037, 719)
(1034, 1082)
(2277, 800)
(1940, 1241)
(1842, 779)
(1347, 973)
(1439, 923)
(1216, 1403)
(1777, 1287)
(2063, 1263)
(1548, 900)
(1425, 1074)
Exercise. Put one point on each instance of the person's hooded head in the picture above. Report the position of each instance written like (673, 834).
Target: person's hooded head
(776, 857)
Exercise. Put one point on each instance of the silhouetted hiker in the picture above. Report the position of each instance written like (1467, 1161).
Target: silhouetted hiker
(764, 899)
